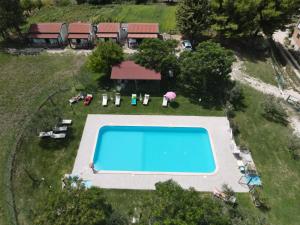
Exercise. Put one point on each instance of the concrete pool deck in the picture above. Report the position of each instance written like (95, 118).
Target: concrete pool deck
(227, 171)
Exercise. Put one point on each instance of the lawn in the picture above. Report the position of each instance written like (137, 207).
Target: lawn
(24, 82)
(157, 13)
(27, 79)
(280, 174)
(261, 69)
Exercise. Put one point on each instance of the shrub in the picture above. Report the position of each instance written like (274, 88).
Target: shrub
(273, 111)
(294, 146)
(229, 110)
(259, 200)
(236, 97)
(228, 191)
(234, 126)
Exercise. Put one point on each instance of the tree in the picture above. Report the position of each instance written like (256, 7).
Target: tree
(171, 204)
(27, 5)
(11, 17)
(205, 73)
(234, 18)
(75, 206)
(104, 57)
(274, 15)
(245, 18)
(193, 17)
(158, 55)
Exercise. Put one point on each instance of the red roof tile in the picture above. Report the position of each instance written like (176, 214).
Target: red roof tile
(107, 35)
(79, 28)
(129, 70)
(43, 36)
(75, 36)
(108, 28)
(148, 28)
(45, 28)
(142, 35)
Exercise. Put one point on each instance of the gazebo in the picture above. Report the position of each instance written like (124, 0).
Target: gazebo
(129, 70)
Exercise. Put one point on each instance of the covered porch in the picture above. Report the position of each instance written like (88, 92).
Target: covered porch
(130, 76)
(79, 40)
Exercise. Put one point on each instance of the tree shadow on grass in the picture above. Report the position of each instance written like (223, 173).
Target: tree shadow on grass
(251, 49)
(57, 144)
(174, 105)
(105, 83)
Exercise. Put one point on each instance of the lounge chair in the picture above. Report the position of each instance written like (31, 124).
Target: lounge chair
(88, 99)
(165, 102)
(241, 166)
(250, 180)
(253, 180)
(77, 98)
(117, 99)
(60, 129)
(58, 136)
(133, 99)
(45, 134)
(104, 100)
(66, 122)
(146, 99)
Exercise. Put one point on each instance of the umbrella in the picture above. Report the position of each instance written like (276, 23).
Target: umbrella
(170, 95)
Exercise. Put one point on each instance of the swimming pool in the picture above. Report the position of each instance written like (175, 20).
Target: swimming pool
(154, 149)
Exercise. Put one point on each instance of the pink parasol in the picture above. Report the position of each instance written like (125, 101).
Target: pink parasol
(170, 95)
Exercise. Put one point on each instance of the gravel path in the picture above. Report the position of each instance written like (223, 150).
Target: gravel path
(238, 74)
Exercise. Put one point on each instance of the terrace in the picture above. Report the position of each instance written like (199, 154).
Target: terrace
(219, 132)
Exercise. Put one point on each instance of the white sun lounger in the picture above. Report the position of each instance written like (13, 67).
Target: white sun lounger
(104, 100)
(146, 99)
(165, 102)
(117, 99)
(58, 136)
(66, 122)
(60, 129)
(45, 134)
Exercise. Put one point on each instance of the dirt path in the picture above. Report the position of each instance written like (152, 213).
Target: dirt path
(35, 51)
(238, 74)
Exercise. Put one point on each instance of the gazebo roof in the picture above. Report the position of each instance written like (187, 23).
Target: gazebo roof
(129, 70)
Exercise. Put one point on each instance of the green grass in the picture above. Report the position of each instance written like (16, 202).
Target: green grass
(158, 13)
(261, 69)
(24, 82)
(280, 174)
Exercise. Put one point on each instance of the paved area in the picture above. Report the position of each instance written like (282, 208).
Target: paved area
(221, 140)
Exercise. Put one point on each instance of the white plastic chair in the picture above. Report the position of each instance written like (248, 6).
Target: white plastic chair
(165, 102)
(104, 100)
(146, 99)
(117, 99)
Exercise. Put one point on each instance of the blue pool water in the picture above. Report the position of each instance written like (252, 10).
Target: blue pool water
(154, 149)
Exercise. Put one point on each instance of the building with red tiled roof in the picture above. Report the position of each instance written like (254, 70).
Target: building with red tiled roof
(140, 31)
(108, 31)
(48, 34)
(81, 35)
(129, 70)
